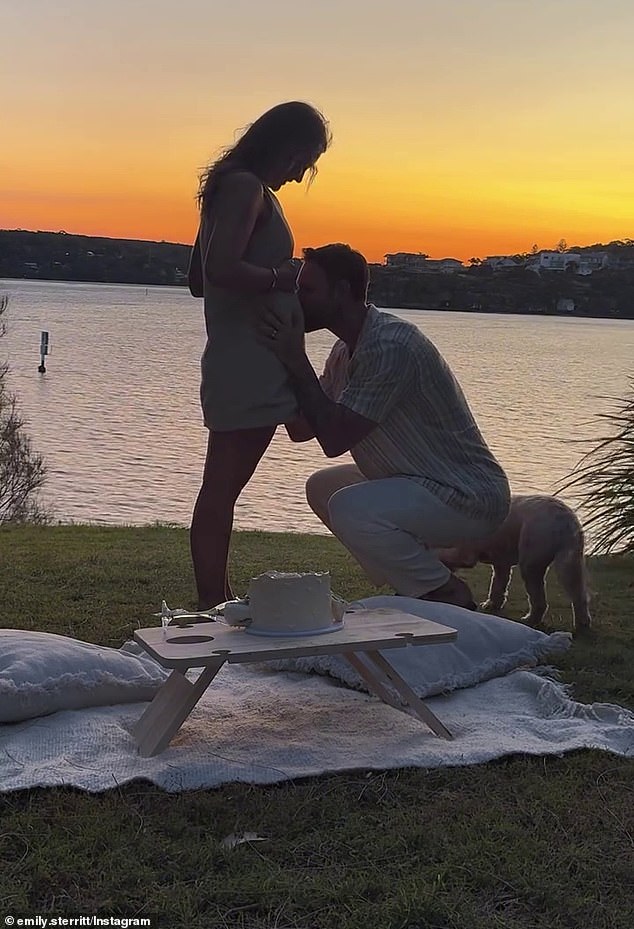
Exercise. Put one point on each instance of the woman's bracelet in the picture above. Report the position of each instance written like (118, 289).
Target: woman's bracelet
(274, 281)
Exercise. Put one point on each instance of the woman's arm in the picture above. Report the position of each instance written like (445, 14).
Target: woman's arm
(238, 203)
(195, 270)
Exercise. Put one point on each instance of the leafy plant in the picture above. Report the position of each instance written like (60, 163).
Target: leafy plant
(603, 480)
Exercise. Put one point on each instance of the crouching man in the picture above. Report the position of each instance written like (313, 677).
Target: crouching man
(423, 477)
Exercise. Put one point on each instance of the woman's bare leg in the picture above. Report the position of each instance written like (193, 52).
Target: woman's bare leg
(232, 458)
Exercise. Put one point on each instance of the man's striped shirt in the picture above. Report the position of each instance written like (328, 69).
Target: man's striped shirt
(425, 429)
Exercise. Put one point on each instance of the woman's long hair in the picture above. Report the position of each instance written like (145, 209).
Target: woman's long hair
(293, 128)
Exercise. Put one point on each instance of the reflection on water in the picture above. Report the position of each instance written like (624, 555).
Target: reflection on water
(117, 418)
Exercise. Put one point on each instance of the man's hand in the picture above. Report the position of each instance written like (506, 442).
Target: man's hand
(283, 335)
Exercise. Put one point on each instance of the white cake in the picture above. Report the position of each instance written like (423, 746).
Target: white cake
(290, 603)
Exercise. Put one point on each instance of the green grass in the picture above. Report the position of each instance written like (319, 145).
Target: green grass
(524, 843)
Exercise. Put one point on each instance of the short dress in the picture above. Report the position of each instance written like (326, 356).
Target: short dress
(244, 385)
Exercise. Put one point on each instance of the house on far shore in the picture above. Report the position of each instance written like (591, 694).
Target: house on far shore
(407, 261)
(592, 261)
(444, 265)
(411, 261)
(501, 262)
(576, 262)
(553, 261)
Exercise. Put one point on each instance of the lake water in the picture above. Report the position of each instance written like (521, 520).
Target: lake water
(117, 419)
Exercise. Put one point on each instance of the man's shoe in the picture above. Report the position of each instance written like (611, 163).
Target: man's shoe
(454, 591)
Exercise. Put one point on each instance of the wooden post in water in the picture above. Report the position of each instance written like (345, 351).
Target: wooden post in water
(43, 352)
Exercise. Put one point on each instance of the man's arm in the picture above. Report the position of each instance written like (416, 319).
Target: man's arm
(299, 429)
(377, 384)
(336, 428)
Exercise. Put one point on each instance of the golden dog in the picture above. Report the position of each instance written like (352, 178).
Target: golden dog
(539, 531)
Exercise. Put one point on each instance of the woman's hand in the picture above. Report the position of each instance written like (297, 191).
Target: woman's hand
(284, 335)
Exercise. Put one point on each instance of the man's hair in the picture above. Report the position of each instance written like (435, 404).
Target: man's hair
(339, 262)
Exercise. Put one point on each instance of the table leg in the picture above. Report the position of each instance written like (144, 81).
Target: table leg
(376, 683)
(410, 698)
(170, 708)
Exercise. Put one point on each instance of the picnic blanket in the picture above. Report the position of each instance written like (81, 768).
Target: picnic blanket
(262, 726)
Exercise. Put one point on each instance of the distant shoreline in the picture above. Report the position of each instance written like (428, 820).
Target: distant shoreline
(518, 289)
(381, 305)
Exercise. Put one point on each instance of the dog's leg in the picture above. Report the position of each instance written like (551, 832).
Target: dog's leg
(571, 571)
(500, 579)
(534, 576)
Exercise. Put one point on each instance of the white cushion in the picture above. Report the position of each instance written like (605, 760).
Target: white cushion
(41, 673)
(486, 647)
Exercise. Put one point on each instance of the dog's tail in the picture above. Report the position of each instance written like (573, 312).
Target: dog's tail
(570, 567)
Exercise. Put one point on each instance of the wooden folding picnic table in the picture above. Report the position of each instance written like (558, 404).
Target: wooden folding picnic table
(362, 640)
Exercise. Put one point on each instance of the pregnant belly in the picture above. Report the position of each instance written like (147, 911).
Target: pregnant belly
(285, 304)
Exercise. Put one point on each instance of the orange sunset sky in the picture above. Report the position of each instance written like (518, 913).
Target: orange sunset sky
(460, 128)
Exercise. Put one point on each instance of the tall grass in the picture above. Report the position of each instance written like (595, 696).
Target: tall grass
(603, 480)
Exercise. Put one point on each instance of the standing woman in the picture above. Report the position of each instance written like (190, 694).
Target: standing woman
(240, 264)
